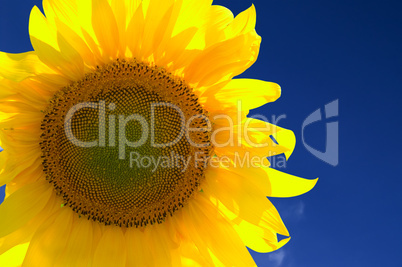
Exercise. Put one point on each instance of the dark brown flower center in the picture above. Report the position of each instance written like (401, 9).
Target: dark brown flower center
(127, 145)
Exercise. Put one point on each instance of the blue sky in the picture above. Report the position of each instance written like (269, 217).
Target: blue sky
(321, 51)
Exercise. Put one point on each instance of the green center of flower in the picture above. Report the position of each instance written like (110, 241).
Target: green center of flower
(127, 145)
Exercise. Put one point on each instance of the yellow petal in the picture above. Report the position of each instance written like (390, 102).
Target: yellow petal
(41, 30)
(119, 10)
(77, 42)
(63, 11)
(137, 253)
(192, 14)
(15, 256)
(23, 205)
(93, 45)
(70, 55)
(257, 135)
(49, 241)
(29, 175)
(219, 18)
(13, 165)
(244, 94)
(175, 48)
(163, 45)
(98, 228)
(208, 229)
(159, 245)
(243, 23)
(260, 235)
(191, 256)
(13, 106)
(157, 19)
(5, 88)
(255, 238)
(287, 185)
(224, 60)
(135, 31)
(111, 250)
(85, 10)
(78, 248)
(236, 192)
(18, 67)
(24, 234)
(29, 91)
(77, 15)
(105, 27)
(131, 7)
(250, 139)
(242, 196)
(285, 138)
(45, 42)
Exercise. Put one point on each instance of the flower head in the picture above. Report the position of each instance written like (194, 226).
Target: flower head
(127, 143)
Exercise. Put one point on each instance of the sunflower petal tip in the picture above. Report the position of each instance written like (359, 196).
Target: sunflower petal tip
(35, 9)
(315, 182)
(283, 242)
(310, 184)
(287, 185)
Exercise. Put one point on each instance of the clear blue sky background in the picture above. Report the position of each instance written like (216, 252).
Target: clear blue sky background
(320, 51)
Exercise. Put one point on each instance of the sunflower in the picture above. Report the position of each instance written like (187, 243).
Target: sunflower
(122, 133)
